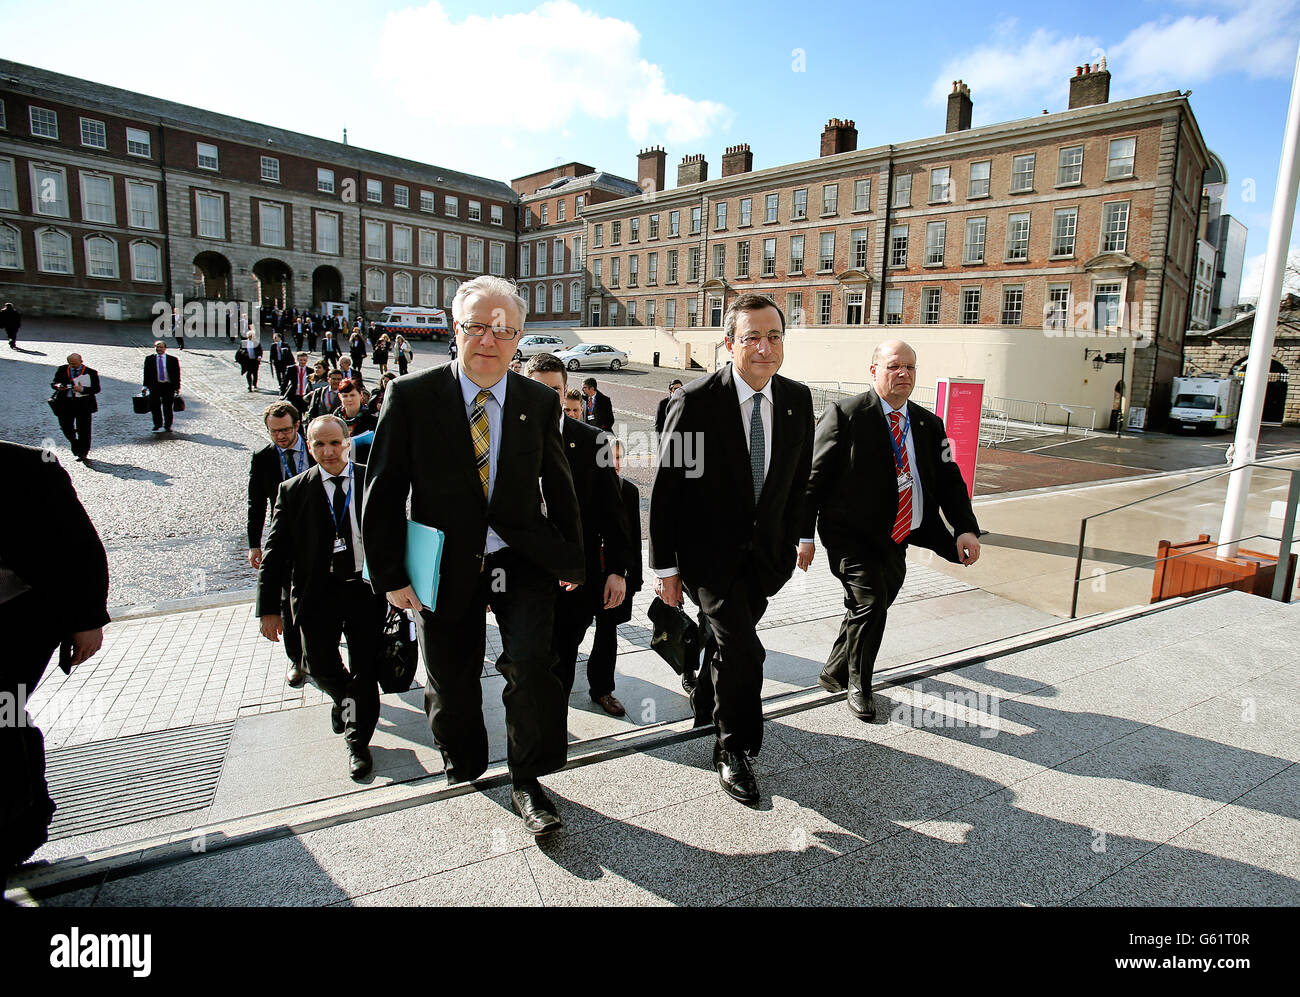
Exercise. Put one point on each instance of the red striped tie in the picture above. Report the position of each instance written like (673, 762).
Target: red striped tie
(903, 521)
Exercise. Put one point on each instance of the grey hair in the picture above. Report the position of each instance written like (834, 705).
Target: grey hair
(487, 284)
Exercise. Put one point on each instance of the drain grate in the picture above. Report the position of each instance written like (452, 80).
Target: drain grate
(137, 778)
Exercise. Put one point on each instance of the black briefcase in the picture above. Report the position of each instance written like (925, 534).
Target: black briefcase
(178, 404)
(140, 404)
(676, 638)
(58, 403)
(400, 652)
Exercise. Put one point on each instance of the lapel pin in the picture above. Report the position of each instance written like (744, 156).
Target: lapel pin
(522, 416)
(789, 411)
(572, 445)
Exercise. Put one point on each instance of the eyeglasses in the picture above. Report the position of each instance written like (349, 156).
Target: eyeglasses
(772, 339)
(501, 332)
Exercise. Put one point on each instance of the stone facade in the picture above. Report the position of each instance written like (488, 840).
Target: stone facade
(1223, 351)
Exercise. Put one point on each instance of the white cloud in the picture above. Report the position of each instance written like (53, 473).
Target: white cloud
(1013, 73)
(537, 71)
(1252, 275)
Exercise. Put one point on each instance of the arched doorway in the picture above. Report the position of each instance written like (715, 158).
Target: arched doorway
(1274, 390)
(274, 283)
(326, 285)
(211, 276)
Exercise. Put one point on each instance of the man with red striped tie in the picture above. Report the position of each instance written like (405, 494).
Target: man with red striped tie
(882, 471)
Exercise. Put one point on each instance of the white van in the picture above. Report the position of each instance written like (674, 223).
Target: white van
(413, 323)
(1205, 402)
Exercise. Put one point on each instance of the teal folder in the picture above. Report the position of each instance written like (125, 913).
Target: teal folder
(423, 559)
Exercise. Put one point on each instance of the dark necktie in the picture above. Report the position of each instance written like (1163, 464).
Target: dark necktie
(344, 563)
(291, 461)
(162, 369)
(757, 446)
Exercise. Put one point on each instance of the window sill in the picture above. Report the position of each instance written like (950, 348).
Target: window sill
(1010, 260)
(1067, 256)
(1026, 190)
(772, 221)
(977, 197)
(972, 263)
(792, 273)
(945, 201)
(826, 271)
(772, 276)
(933, 266)
(1127, 176)
(860, 211)
(1072, 183)
(798, 218)
(745, 225)
(829, 214)
(907, 205)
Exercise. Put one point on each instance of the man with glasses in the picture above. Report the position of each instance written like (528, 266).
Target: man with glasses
(882, 470)
(725, 509)
(284, 457)
(478, 449)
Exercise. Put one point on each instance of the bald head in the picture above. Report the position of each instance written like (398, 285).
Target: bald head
(74, 359)
(893, 371)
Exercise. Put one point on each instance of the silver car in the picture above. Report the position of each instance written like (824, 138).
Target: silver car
(592, 355)
(530, 346)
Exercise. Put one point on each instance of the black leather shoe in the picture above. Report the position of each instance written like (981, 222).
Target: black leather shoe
(295, 676)
(829, 683)
(861, 704)
(360, 760)
(735, 774)
(535, 807)
(336, 718)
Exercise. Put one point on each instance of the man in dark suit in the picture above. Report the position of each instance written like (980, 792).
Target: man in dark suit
(468, 443)
(286, 456)
(77, 385)
(604, 646)
(325, 399)
(315, 548)
(162, 376)
(281, 357)
(736, 448)
(11, 320)
(48, 600)
(661, 413)
(882, 470)
(600, 410)
(604, 529)
(296, 384)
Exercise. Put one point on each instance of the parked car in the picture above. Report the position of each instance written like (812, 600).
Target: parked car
(592, 355)
(530, 346)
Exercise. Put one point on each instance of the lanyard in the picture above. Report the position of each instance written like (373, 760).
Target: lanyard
(339, 520)
(899, 458)
(289, 472)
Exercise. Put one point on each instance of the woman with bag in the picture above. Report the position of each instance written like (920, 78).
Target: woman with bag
(404, 354)
(380, 356)
(357, 348)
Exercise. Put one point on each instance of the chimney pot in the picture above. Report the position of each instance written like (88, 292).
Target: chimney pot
(839, 135)
(1090, 85)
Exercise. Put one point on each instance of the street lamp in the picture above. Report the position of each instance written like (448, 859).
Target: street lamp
(1099, 360)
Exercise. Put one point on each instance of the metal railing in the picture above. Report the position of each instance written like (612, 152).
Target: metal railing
(1284, 541)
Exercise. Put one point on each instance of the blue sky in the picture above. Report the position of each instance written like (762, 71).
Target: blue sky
(503, 89)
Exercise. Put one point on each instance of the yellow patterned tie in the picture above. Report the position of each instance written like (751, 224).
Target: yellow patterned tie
(478, 431)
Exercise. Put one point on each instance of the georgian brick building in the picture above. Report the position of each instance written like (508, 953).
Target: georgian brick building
(112, 200)
(1079, 222)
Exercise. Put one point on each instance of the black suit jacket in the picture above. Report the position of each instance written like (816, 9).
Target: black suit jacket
(289, 386)
(298, 550)
(84, 402)
(661, 413)
(265, 472)
(282, 354)
(853, 486)
(46, 523)
(422, 448)
(631, 499)
(602, 416)
(151, 373)
(599, 502)
(703, 519)
(318, 404)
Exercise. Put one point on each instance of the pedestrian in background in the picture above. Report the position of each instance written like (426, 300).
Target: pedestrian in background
(404, 354)
(357, 348)
(10, 320)
(76, 386)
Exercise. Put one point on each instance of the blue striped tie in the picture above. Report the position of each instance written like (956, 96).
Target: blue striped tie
(756, 446)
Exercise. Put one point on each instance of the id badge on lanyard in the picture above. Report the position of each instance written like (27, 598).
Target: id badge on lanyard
(900, 455)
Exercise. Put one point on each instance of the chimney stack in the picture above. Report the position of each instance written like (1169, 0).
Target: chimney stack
(737, 159)
(650, 168)
(692, 169)
(959, 106)
(838, 136)
(1090, 85)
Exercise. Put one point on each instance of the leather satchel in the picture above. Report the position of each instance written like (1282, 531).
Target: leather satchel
(676, 638)
(178, 404)
(401, 652)
(140, 403)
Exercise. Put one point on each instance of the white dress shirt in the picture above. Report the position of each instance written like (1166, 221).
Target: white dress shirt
(493, 408)
(358, 555)
(908, 441)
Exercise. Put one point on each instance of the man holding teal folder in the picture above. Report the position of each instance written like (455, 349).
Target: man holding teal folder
(477, 449)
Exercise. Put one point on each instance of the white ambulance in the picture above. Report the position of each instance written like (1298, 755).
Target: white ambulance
(413, 323)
